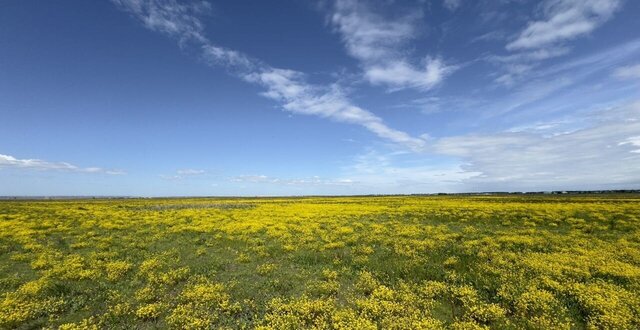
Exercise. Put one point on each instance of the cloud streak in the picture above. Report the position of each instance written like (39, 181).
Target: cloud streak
(288, 87)
(190, 171)
(7, 161)
(311, 181)
(180, 21)
(544, 84)
(628, 72)
(564, 20)
(183, 174)
(452, 5)
(544, 38)
(386, 172)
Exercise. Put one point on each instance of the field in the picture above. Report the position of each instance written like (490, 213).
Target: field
(451, 262)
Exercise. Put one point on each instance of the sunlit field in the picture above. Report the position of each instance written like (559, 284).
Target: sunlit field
(451, 262)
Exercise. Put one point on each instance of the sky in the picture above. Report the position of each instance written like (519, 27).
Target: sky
(330, 97)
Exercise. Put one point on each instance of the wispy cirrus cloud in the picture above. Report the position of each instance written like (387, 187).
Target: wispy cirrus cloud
(569, 84)
(291, 88)
(7, 161)
(546, 37)
(183, 174)
(180, 20)
(633, 141)
(379, 44)
(452, 4)
(190, 171)
(310, 181)
(377, 171)
(627, 72)
(519, 64)
(563, 20)
(170, 17)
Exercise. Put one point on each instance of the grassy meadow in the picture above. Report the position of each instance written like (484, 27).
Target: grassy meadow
(437, 262)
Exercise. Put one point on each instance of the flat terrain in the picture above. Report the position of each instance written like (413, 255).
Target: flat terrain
(456, 262)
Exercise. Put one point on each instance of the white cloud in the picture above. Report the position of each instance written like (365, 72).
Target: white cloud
(400, 74)
(603, 155)
(297, 96)
(632, 141)
(545, 38)
(180, 20)
(183, 174)
(564, 20)
(377, 43)
(7, 161)
(115, 172)
(368, 36)
(490, 36)
(452, 4)
(372, 172)
(376, 172)
(520, 64)
(311, 181)
(543, 84)
(628, 72)
(289, 87)
(190, 171)
(251, 178)
(170, 17)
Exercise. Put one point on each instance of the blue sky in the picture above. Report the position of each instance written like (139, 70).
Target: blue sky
(169, 98)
